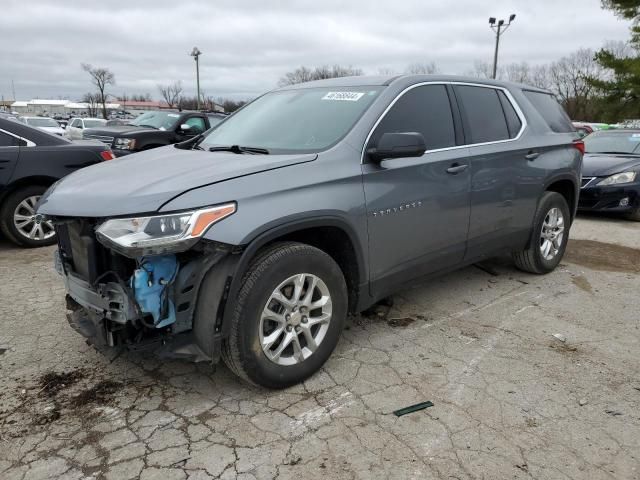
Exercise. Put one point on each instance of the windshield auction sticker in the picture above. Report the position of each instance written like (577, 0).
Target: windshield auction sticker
(343, 96)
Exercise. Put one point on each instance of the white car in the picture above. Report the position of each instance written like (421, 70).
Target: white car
(44, 123)
(77, 125)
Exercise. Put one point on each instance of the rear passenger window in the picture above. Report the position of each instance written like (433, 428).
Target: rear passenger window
(425, 109)
(551, 111)
(485, 119)
(514, 124)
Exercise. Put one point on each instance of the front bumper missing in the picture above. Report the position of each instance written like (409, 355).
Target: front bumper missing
(108, 316)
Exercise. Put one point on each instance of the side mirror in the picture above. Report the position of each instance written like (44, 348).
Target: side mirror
(185, 128)
(398, 145)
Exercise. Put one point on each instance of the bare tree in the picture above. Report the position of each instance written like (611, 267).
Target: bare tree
(483, 70)
(171, 93)
(101, 78)
(569, 78)
(422, 68)
(387, 71)
(92, 100)
(306, 74)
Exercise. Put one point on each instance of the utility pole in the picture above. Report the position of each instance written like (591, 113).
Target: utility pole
(500, 27)
(195, 53)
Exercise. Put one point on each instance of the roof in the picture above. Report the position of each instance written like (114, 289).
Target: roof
(383, 80)
(152, 104)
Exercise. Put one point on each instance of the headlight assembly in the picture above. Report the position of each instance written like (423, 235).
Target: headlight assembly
(124, 143)
(158, 234)
(624, 177)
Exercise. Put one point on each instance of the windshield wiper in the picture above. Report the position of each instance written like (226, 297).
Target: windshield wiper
(239, 149)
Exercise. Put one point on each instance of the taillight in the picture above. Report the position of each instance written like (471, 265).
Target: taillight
(107, 155)
(579, 144)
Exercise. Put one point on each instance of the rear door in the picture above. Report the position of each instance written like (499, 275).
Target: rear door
(9, 152)
(500, 194)
(418, 208)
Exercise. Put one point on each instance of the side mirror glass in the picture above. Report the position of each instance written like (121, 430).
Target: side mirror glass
(185, 128)
(398, 145)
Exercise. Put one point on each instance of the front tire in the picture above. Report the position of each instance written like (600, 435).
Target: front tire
(549, 236)
(19, 222)
(288, 316)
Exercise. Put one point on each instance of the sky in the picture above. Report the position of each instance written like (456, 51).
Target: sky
(247, 45)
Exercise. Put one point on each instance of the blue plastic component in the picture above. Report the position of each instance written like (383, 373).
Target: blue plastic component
(150, 282)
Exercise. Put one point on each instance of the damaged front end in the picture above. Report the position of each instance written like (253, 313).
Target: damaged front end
(123, 293)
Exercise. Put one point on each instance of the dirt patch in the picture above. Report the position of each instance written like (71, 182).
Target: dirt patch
(603, 256)
(400, 322)
(52, 382)
(582, 283)
(100, 393)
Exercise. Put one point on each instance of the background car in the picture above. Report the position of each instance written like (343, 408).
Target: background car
(45, 124)
(150, 130)
(77, 125)
(31, 161)
(611, 173)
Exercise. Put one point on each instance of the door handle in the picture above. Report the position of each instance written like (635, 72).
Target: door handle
(532, 155)
(456, 168)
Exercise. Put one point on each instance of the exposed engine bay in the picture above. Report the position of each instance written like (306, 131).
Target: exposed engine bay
(147, 302)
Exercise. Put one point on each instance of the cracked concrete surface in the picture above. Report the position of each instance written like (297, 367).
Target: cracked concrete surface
(510, 401)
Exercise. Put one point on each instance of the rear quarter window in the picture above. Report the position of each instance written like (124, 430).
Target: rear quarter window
(550, 110)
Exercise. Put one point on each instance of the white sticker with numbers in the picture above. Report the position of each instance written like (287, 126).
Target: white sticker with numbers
(343, 96)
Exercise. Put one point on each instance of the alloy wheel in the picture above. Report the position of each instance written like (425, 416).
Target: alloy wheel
(552, 234)
(29, 224)
(295, 319)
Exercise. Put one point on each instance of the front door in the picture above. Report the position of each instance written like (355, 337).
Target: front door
(418, 208)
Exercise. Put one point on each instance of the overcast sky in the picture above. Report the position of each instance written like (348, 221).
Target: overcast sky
(248, 45)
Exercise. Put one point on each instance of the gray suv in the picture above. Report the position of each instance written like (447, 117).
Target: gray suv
(254, 241)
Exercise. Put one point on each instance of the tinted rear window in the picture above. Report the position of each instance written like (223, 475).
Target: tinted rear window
(485, 118)
(514, 124)
(552, 112)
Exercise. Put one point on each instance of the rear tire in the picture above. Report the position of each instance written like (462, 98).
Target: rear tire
(549, 236)
(15, 225)
(295, 295)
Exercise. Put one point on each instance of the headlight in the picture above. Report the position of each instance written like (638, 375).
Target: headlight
(624, 177)
(172, 232)
(125, 143)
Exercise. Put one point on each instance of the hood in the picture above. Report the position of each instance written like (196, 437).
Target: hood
(143, 182)
(119, 130)
(603, 165)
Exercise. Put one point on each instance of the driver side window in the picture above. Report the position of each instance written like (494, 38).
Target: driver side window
(424, 109)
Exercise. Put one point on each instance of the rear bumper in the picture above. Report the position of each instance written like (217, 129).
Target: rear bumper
(620, 198)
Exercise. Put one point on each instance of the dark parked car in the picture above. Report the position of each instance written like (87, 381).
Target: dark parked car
(150, 130)
(611, 173)
(254, 241)
(30, 161)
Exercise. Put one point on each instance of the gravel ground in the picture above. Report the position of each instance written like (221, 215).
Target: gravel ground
(510, 400)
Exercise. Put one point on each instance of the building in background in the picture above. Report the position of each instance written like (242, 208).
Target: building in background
(55, 107)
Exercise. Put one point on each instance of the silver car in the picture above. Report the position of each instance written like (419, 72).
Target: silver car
(77, 125)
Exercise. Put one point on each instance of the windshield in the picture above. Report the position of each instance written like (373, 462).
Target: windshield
(94, 123)
(617, 141)
(159, 120)
(42, 122)
(292, 121)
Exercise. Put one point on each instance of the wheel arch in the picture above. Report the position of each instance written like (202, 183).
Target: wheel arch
(42, 180)
(568, 188)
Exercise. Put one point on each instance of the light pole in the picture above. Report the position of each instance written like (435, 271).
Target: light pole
(500, 27)
(195, 53)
